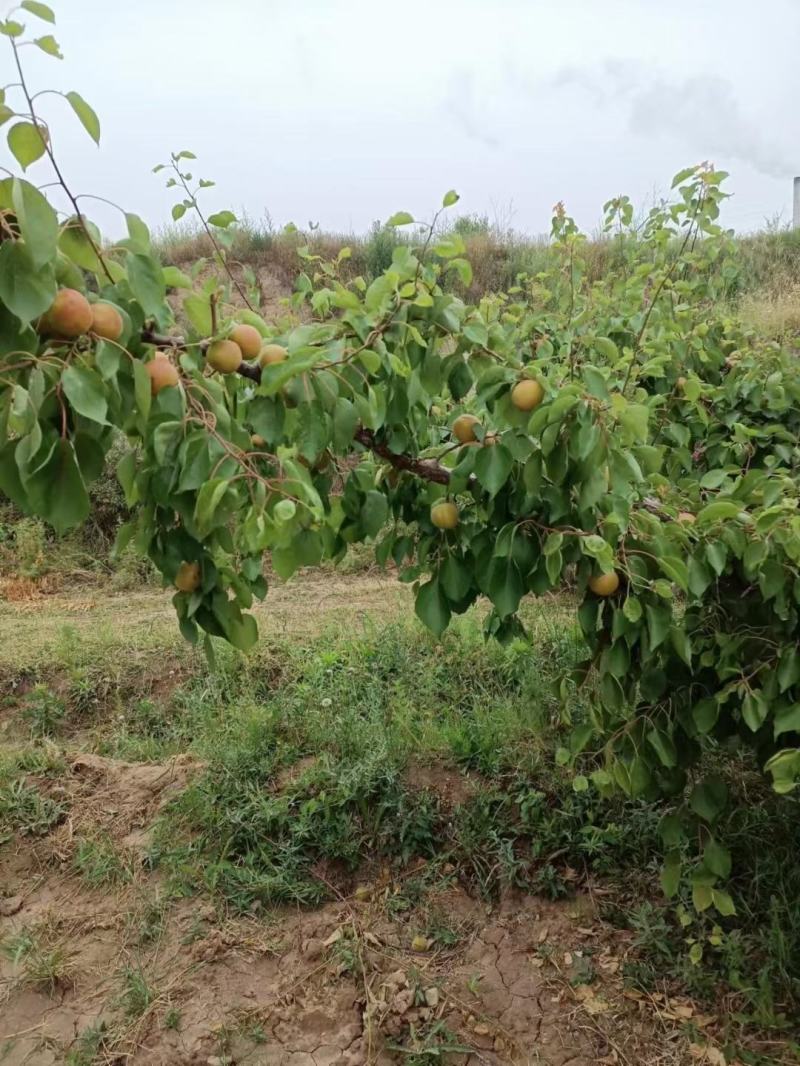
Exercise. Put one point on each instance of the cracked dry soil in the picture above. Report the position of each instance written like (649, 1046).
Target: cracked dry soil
(338, 986)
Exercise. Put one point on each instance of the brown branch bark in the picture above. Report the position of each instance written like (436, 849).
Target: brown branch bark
(428, 469)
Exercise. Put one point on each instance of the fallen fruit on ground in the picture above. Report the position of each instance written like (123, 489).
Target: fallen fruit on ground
(224, 356)
(444, 515)
(248, 338)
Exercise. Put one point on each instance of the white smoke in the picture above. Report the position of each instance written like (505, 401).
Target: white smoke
(702, 111)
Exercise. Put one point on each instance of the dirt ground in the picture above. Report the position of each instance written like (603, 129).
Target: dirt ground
(33, 621)
(125, 972)
(179, 982)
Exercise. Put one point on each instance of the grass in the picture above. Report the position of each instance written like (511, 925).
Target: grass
(40, 962)
(100, 863)
(765, 265)
(326, 755)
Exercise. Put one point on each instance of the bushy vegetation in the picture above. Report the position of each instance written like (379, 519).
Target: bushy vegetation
(586, 415)
(322, 759)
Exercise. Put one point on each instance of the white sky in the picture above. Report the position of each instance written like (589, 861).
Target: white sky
(344, 111)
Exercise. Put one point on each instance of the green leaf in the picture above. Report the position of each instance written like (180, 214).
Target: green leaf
(787, 720)
(705, 714)
(284, 510)
(42, 11)
(723, 902)
(285, 561)
(506, 588)
(75, 244)
(26, 142)
(493, 466)
(431, 607)
(450, 198)
(126, 475)
(25, 291)
(400, 218)
(696, 954)
(222, 219)
(788, 668)
(198, 311)
(702, 897)
(49, 44)
(146, 279)
(717, 858)
(659, 620)
(456, 578)
(580, 783)
(84, 390)
(754, 710)
(708, 798)
(58, 492)
(671, 874)
(142, 392)
(464, 270)
(675, 569)
(38, 222)
(86, 115)
(664, 747)
(208, 500)
(178, 211)
(374, 513)
(138, 232)
(176, 279)
(717, 512)
(345, 420)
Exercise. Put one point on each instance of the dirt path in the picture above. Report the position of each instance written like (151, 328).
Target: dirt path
(313, 601)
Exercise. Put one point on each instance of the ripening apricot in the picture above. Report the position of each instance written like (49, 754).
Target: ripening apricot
(106, 321)
(681, 382)
(464, 428)
(686, 518)
(527, 394)
(444, 515)
(69, 316)
(604, 584)
(272, 353)
(224, 356)
(162, 373)
(248, 338)
(188, 577)
(257, 440)
(491, 438)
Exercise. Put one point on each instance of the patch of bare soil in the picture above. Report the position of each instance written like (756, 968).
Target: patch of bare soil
(450, 786)
(128, 974)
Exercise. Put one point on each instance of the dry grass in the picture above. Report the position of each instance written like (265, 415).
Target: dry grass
(773, 314)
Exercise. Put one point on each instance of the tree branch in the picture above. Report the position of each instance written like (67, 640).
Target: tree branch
(429, 469)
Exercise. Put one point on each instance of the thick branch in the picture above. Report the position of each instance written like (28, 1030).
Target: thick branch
(428, 469)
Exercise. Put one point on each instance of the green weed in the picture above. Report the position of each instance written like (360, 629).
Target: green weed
(99, 862)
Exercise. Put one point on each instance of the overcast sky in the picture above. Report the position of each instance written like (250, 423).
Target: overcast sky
(344, 111)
